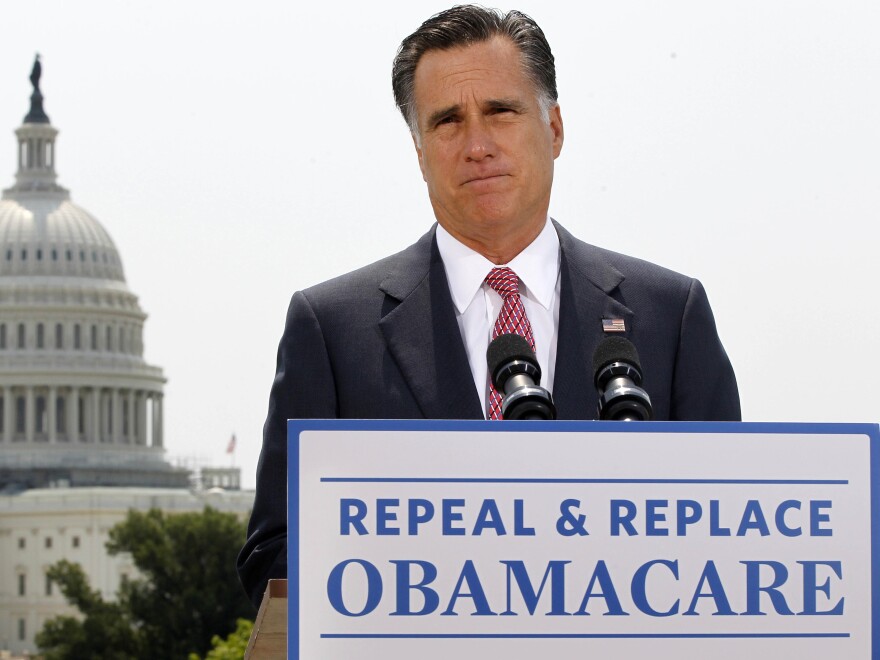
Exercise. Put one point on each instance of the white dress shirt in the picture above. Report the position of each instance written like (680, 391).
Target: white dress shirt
(477, 305)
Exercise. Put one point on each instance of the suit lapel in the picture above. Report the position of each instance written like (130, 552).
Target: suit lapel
(422, 334)
(588, 282)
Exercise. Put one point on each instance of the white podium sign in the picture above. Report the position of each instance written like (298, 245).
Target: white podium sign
(589, 539)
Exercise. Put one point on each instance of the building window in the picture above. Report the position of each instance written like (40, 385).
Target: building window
(81, 414)
(39, 254)
(48, 542)
(40, 419)
(22, 630)
(21, 335)
(2, 415)
(59, 414)
(121, 340)
(48, 585)
(54, 254)
(24, 255)
(20, 414)
(41, 335)
(22, 584)
(3, 335)
(59, 336)
(74, 542)
(94, 338)
(69, 255)
(77, 337)
(22, 543)
(109, 334)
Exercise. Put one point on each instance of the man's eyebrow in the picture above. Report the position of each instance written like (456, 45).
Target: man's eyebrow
(436, 116)
(508, 104)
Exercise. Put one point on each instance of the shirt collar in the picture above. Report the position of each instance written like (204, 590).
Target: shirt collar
(537, 267)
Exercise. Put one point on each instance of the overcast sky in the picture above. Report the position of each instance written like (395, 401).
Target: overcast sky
(237, 152)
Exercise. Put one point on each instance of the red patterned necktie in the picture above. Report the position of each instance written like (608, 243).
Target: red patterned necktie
(512, 319)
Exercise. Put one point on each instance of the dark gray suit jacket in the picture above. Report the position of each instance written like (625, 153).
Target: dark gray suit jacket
(383, 343)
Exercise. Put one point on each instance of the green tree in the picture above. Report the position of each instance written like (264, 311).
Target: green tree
(105, 630)
(231, 648)
(188, 591)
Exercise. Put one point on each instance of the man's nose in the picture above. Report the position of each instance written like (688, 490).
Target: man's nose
(479, 142)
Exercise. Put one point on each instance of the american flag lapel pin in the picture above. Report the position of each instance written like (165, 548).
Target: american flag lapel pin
(613, 325)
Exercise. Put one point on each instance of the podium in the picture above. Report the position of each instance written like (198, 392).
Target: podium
(269, 637)
(442, 539)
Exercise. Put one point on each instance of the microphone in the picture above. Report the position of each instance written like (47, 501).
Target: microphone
(516, 376)
(618, 379)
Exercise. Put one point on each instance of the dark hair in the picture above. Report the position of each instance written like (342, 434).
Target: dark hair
(470, 24)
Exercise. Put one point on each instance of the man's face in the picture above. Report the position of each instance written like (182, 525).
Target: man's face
(485, 150)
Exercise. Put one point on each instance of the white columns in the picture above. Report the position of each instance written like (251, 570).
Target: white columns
(52, 414)
(8, 414)
(130, 434)
(157, 419)
(141, 418)
(115, 417)
(95, 430)
(161, 420)
(73, 414)
(29, 415)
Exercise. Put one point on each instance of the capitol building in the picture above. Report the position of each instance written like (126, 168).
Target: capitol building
(81, 428)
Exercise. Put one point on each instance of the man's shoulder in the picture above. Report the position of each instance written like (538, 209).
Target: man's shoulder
(609, 269)
(403, 268)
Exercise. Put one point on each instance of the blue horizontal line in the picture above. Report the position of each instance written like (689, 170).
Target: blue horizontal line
(511, 480)
(578, 635)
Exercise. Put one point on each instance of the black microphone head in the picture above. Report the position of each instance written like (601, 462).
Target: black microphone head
(615, 349)
(505, 349)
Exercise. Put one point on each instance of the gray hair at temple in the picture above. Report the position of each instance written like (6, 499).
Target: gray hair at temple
(466, 25)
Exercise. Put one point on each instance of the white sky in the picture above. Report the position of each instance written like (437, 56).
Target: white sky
(238, 152)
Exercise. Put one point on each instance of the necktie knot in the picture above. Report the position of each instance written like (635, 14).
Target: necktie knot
(503, 281)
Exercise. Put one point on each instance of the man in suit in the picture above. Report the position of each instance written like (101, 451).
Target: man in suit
(406, 337)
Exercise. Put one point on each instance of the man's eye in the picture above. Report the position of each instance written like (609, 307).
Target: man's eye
(446, 120)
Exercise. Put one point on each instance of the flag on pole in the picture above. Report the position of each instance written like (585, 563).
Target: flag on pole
(231, 446)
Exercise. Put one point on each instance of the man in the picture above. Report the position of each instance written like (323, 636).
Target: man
(406, 337)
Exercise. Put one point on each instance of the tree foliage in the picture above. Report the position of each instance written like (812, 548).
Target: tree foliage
(105, 630)
(231, 648)
(188, 591)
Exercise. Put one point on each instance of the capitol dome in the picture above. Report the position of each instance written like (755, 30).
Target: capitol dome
(79, 406)
(44, 234)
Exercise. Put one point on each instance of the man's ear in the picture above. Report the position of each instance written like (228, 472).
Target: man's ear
(558, 131)
(415, 140)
